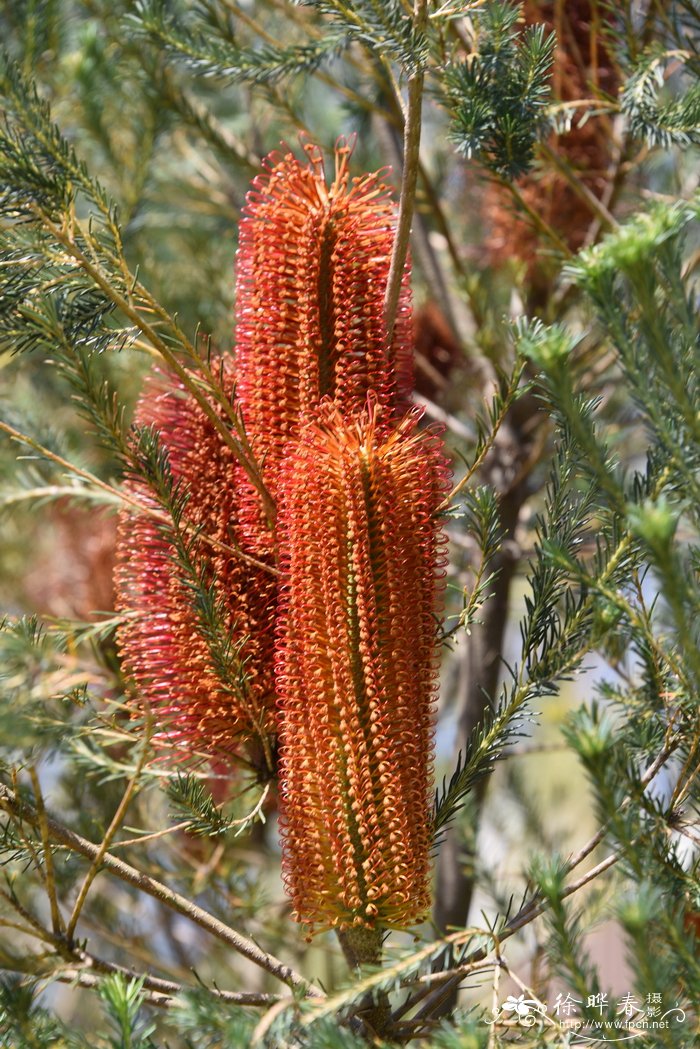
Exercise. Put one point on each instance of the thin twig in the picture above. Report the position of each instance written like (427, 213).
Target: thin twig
(579, 187)
(440, 415)
(37, 929)
(24, 438)
(409, 178)
(540, 224)
(494, 1002)
(114, 826)
(166, 987)
(649, 774)
(56, 492)
(62, 835)
(531, 909)
(27, 930)
(182, 826)
(50, 880)
(488, 443)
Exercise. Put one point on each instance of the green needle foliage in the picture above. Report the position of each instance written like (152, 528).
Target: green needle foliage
(123, 1000)
(498, 95)
(140, 899)
(675, 123)
(209, 48)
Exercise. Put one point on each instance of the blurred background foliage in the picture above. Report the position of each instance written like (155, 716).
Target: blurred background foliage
(558, 182)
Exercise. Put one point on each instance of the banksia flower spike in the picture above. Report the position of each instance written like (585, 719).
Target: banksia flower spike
(312, 268)
(206, 694)
(361, 556)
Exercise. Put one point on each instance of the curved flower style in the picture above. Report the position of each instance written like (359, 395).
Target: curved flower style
(209, 699)
(312, 268)
(361, 556)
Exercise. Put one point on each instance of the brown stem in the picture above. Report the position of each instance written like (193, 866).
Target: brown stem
(56, 917)
(62, 835)
(167, 989)
(409, 178)
(114, 826)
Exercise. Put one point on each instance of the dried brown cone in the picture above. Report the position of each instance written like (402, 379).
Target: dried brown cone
(361, 557)
(164, 643)
(582, 67)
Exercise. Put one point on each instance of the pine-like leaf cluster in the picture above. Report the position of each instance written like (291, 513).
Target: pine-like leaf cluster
(497, 95)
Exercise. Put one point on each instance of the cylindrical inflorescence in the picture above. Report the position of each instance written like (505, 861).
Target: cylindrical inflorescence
(362, 557)
(208, 693)
(312, 269)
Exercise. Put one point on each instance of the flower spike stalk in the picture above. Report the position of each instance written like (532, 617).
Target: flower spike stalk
(200, 705)
(312, 269)
(362, 556)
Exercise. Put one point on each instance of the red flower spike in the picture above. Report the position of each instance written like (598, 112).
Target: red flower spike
(163, 643)
(312, 268)
(361, 556)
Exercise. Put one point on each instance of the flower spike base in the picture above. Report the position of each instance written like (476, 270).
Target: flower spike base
(361, 945)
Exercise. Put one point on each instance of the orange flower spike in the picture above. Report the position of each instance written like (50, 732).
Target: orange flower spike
(163, 644)
(312, 268)
(362, 557)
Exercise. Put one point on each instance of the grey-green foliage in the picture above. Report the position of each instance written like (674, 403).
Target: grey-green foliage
(49, 302)
(38, 693)
(26, 1025)
(208, 46)
(642, 578)
(674, 123)
(657, 111)
(383, 27)
(192, 801)
(205, 1028)
(557, 623)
